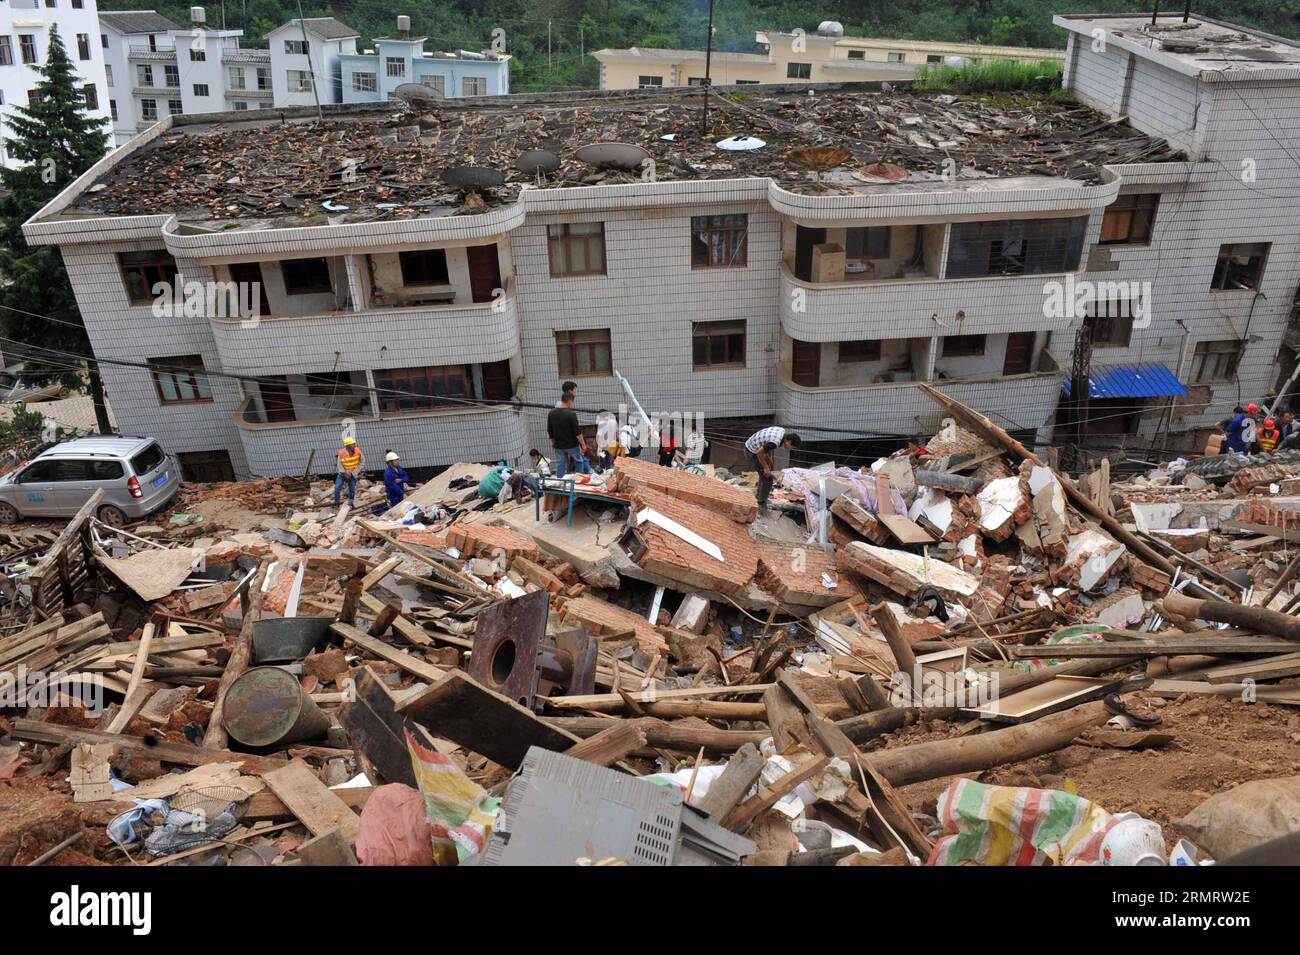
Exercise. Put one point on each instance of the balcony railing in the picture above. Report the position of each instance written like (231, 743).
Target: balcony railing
(143, 53)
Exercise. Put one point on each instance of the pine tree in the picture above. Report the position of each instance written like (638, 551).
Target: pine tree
(55, 141)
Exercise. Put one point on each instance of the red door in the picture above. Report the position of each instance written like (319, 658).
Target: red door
(276, 400)
(806, 367)
(484, 271)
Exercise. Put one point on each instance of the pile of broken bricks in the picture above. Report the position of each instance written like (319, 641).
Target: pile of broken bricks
(769, 674)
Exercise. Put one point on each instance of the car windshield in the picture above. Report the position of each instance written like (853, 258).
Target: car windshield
(147, 460)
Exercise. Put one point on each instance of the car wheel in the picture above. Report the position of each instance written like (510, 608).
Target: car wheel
(112, 516)
(8, 513)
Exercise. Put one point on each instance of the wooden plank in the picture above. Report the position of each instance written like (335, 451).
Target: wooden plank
(1242, 646)
(740, 774)
(1291, 535)
(605, 702)
(312, 802)
(330, 848)
(1269, 668)
(180, 753)
(458, 709)
(216, 736)
(1172, 689)
(905, 529)
(380, 572)
(1040, 700)
(606, 748)
(125, 715)
(267, 806)
(376, 730)
(769, 796)
(411, 664)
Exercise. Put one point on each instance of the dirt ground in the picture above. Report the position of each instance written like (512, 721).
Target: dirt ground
(1218, 744)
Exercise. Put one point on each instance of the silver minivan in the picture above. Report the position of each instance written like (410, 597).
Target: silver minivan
(137, 475)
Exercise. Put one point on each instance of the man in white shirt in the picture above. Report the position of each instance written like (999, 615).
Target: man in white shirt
(606, 437)
(695, 445)
(759, 447)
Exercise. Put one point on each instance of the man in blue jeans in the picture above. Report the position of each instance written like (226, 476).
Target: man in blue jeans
(566, 435)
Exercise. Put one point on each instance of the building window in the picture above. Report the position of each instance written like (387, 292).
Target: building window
(200, 89)
(1114, 329)
(237, 79)
(148, 109)
(649, 82)
(83, 46)
(933, 58)
(263, 77)
(438, 83)
(576, 249)
(153, 43)
(857, 54)
(1240, 266)
(473, 86)
(27, 47)
(143, 75)
(421, 389)
(103, 40)
(299, 81)
(112, 109)
(240, 105)
(424, 267)
(719, 240)
(306, 276)
(956, 346)
(584, 352)
(76, 4)
(206, 467)
(295, 47)
(896, 57)
(198, 56)
(1216, 361)
(91, 96)
(798, 71)
(1128, 220)
(747, 82)
(365, 82)
(695, 81)
(52, 4)
(6, 51)
(172, 76)
(141, 271)
(870, 242)
(180, 379)
(108, 74)
(863, 349)
(716, 344)
(394, 66)
(1015, 247)
(175, 107)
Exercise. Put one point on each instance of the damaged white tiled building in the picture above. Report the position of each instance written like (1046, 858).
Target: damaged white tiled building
(873, 240)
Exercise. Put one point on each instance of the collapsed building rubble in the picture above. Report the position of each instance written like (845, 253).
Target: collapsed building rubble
(811, 686)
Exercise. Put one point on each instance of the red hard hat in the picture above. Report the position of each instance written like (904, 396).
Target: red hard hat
(1268, 422)
(1252, 408)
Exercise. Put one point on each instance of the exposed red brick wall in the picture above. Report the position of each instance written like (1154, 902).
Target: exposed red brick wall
(736, 503)
(602, 617)
(425, 537)
(793, 573)
(670, 556)
(484, 540)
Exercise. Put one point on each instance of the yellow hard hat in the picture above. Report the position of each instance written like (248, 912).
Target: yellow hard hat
(349, 440)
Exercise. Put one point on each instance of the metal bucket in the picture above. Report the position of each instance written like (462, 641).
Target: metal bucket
(283, 639)
(267, 707)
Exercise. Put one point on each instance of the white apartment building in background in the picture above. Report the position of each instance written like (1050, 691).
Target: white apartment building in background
(307, 51)
(734, 286)
(24, 44)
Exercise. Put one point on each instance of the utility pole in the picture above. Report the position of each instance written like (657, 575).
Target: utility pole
(1080, 369)
(708, 77)
(582, 45)
(311, 71)
(549, 65)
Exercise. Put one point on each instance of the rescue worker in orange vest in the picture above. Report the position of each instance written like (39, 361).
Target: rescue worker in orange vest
(1268, 436)
(350, 462)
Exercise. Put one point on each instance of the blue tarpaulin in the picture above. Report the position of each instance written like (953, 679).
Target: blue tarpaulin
(1152, 380)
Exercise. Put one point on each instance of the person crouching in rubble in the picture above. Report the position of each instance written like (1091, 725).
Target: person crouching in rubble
(351, 460)
(760, 446)
(395, 480)
(1236, 430)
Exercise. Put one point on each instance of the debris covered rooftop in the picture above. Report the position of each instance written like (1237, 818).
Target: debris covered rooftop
(1199, 43)
(391, 165)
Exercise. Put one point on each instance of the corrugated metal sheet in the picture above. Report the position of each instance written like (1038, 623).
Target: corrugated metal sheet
(1152, 380)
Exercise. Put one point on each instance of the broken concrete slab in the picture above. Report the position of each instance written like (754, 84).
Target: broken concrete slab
(906, 573)
(1003, 507)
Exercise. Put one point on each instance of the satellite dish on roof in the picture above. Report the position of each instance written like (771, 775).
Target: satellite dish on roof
(613, 155)
(472, 178)
(733, 144)
(537, 161)
(417, 93)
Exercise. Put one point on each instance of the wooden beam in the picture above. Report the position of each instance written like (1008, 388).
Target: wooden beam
(612, 702)
(411, 664)
(216, 736)
(319, 809)
(769, 796)
(180, 753)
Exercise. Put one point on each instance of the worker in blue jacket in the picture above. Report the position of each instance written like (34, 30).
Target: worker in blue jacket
(395, 480)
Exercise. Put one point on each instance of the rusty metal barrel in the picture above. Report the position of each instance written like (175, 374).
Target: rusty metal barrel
(267, 707)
